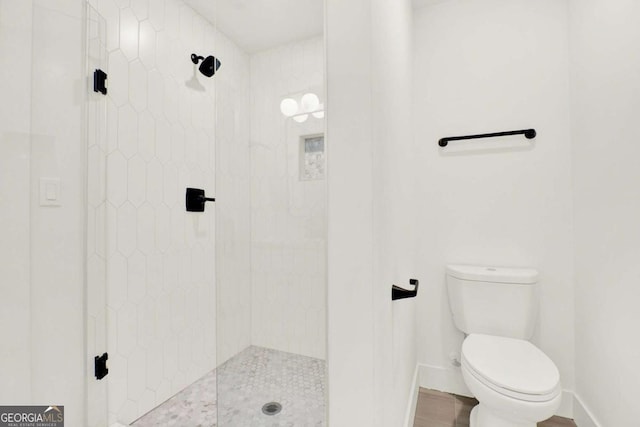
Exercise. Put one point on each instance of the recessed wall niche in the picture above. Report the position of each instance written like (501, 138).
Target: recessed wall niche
(312, 158)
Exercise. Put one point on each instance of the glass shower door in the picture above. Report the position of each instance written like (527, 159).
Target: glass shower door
(151, 264)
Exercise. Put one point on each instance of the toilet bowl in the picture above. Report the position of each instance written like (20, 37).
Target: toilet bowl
(516, 384)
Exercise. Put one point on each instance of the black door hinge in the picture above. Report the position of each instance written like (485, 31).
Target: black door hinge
(100, 363)
(100, 81)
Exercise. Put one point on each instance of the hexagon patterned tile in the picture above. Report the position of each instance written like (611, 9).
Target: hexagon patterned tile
(235, 393)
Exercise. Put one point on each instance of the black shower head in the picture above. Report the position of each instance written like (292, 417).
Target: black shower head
(209, 64)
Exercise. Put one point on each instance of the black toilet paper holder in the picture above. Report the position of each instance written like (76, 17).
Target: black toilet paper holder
(400, 293)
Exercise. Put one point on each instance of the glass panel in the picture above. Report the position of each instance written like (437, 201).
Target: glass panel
(154, 131)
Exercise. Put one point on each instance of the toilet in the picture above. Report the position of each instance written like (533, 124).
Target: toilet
(516, 384)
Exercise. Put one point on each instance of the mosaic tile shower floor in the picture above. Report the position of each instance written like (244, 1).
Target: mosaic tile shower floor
(246, 382)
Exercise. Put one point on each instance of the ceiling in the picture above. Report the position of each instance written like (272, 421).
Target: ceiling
(423, 3)
(256, 25)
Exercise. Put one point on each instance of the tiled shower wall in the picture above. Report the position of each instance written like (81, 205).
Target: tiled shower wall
(163, 132)
(288, 222)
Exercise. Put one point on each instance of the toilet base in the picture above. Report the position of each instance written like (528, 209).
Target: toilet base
(481, 416)
(473, 417)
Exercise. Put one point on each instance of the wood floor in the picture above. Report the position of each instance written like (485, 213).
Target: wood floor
(438, 409)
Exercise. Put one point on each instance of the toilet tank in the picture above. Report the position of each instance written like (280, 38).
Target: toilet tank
(493, 300)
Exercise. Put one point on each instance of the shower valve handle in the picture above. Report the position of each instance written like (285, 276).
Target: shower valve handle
(195, 200)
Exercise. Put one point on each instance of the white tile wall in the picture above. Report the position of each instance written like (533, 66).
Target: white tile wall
(161, 137)
(288, 216)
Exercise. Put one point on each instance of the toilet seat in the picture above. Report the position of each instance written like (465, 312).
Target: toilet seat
(512, 367)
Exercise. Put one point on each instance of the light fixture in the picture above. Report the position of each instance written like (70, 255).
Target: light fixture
(319, 114)
(289, 107)
(310, 102)
(309, 105)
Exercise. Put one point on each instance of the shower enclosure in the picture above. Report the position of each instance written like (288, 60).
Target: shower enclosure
(214, 317)
(111, 110)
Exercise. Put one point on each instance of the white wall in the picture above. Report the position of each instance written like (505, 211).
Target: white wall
(288, 224)
(605, 105)
(482, 67)
(350, 314)
(15, 152)
(161, 125)
(370, 347)
(393, 213)
(58, 149)
(41, 125)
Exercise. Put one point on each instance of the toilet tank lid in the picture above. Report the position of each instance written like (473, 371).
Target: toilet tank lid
(493, 274)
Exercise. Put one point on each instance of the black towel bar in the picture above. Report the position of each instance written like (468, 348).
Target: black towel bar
(528, 133)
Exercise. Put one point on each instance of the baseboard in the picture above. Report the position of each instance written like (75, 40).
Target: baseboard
(450, 380)
(582, 415)
(410, 414)
(566, 406)
(442, 379)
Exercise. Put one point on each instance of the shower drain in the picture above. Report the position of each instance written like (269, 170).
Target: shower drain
(271, 408)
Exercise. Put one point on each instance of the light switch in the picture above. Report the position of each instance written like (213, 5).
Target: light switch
(49, 191)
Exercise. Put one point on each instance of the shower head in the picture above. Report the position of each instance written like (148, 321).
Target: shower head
(209, 64)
